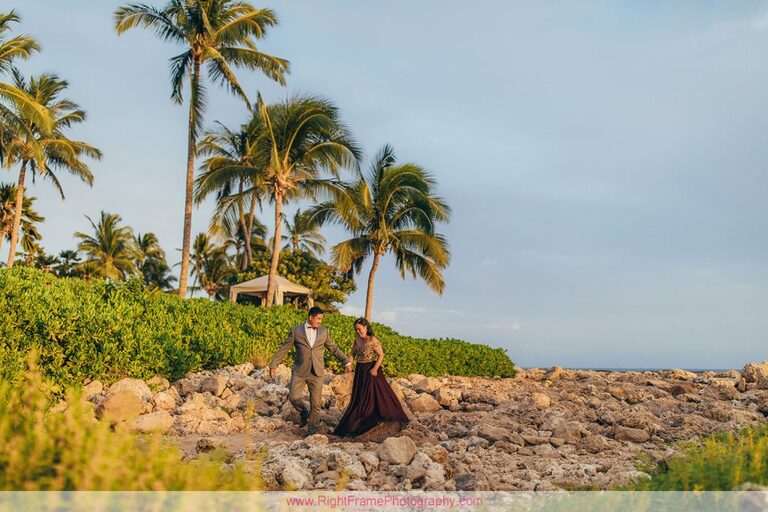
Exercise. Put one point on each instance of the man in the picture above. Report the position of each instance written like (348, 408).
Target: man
(309, 341)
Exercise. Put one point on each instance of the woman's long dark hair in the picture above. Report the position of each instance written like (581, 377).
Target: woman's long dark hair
(365, 323)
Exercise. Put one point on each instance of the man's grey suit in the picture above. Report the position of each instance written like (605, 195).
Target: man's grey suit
(308, 367)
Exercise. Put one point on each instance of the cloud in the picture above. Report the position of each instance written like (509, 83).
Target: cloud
(386, 317)
(351, 311)
(513, 326)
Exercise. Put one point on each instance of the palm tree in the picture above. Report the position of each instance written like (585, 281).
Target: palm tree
(45, 262)
(157, 274)
(43, 153)
(11, 50)
(303, 235)
(29, 217)
(392, 208)
(221, 34)
(211, 266)
(110, 248)
(151, 263)
(147, 247)
(297, 139)
(230, 235)
(68, 259)
(202, 247)
(231, 164)
(217, 269)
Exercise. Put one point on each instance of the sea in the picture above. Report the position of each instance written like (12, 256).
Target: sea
(694, 370)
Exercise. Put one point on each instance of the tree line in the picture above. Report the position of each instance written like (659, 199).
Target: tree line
(296, 150)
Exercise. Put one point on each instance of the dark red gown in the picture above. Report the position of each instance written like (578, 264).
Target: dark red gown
(372, 401)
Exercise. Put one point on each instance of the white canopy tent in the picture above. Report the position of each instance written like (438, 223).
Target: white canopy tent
(258, 287)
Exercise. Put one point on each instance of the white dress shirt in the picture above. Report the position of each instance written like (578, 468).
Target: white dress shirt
(311, 334)
(312, 337)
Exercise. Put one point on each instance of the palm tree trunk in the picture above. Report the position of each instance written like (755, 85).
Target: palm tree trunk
(189, 183)
(17, 214)
(244, 227)
(275, 249)
(249, 229)
(369, 294)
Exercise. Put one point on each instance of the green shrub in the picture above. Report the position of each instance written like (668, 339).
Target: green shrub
(49, 450)
(106, 330)
(721, 462)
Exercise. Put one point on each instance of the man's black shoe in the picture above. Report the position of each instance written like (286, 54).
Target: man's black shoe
(304, 418)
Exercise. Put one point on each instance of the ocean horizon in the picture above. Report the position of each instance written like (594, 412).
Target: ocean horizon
(620, 369)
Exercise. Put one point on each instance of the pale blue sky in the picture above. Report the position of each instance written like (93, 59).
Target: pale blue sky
(605, 160)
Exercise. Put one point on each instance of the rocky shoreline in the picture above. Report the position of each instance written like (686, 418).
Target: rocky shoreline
(542, 430)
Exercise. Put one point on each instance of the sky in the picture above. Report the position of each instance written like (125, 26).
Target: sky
(605, 161)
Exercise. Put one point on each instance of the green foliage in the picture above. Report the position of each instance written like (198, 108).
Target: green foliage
(328, 285)
(109, 330)
(721, 462)
(50, 450)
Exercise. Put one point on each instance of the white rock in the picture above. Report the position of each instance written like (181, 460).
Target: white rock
(397, 450)
(369, 460)
(295, 475)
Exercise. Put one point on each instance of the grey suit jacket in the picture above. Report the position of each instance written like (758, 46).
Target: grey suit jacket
(308, 359)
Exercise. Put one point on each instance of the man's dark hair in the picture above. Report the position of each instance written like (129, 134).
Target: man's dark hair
(314, 311)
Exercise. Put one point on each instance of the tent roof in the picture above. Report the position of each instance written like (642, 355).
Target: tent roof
(259, 284)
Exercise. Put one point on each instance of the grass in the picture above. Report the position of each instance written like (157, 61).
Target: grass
(45, 450)
(721, 462)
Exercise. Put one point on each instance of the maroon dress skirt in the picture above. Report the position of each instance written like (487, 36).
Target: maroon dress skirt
(372, 401)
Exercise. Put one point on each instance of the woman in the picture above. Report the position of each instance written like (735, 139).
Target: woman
(372, 399)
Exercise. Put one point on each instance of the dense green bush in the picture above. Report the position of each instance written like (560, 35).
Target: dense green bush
(106, 330)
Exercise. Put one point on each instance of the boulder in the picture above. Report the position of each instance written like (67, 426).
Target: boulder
(682, 388)
(159, 421)
(418, 466)
(618, 392)
(424, 403)
(158, 383)
(427, 385)
(244, 369)
(295, 475)
(355, 470)
(540, 400)
(121, 406)
(678, 374)
(369, 460)
(490, 432)
(165, 400)
(397, 450)
(756, 373)
(446, 396)
(282, 375)
(342, 384)
(436, 452)
(593, 443)
(570, 432)
(553, 373)
(136, 386)
(634, 435)
(215, 385)
(92, 389)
